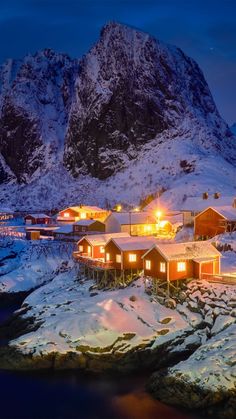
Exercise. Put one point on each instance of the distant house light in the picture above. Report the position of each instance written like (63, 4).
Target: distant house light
(107, 257)
(83, 215)
(102, 250)
(81, 248)
(66, 214)
(89, 250)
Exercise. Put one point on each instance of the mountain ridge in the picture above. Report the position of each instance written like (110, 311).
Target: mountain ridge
(132, 104)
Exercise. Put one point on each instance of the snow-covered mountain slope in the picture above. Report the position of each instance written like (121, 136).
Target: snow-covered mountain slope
(134, 117)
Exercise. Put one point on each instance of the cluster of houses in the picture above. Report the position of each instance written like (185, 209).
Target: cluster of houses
(121, 243)
(72, 222)
(122, 255)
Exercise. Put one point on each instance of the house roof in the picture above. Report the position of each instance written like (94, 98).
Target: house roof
(134, 243)
(80, 208)
(65, 229)
(198, 204)
(228, 212)
(86, 222)
(101, 239)
(127, 218)
(189, 250)
(38, 215)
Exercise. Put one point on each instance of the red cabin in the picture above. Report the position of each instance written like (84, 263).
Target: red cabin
(37, 219)
(178, 261)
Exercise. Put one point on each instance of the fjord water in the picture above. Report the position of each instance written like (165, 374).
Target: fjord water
(73, 395)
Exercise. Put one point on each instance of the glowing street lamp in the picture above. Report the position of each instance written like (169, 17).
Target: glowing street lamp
(118, 208)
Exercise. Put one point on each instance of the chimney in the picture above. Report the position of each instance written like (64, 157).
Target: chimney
(216, 195)
(205, 195)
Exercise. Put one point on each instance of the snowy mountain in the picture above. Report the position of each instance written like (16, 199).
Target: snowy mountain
(35, 96)
(134, 116)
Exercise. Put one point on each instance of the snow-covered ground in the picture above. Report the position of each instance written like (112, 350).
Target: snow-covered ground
(25, 265)
(74, 320)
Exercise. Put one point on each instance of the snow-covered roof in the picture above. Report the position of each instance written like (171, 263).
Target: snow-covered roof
(102, 239)
(188, 250)
(126, 218)
(198, 204)
(80, 208)
(134, 243)
(85, 222)
(38, 215)
(65, 229)
(229, 213)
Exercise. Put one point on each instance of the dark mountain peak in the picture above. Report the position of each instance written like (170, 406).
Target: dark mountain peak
(131, 89)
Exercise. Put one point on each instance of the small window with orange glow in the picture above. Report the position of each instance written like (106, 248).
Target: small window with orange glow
(148, 265)
(107, 257)
(81, 248)
(118, 258)
(132, 257)
(181, 266)
(66, 214)
(162, 267)
(102, 250)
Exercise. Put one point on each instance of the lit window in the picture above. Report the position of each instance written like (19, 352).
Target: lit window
(89, 250)
(148, 265)
(107, 257)
(162, 267)
(83, 215)
(81, 248)
(132, 257)
(66, 214)
(118, 258)
(147, 228)
(102, 250)
(181, 266)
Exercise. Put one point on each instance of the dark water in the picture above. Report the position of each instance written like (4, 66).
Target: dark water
(73, 395)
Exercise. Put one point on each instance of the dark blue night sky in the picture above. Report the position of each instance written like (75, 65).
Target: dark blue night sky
(204, 29)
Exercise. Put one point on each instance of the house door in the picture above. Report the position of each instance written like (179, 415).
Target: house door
(207, 268)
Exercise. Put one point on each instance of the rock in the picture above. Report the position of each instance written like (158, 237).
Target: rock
(170, 303)
(133, 298)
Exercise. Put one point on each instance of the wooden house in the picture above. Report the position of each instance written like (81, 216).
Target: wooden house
(125, 253)
(93, 246)
(135, 223)
(33, 235)
(178, 261)
(38, 219)
(88, 226)
(193, 206)
(213, 221)
(82, 212)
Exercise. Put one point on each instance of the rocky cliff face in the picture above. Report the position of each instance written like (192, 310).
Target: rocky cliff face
(132, 88)
(133, 115)
(35, 98)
